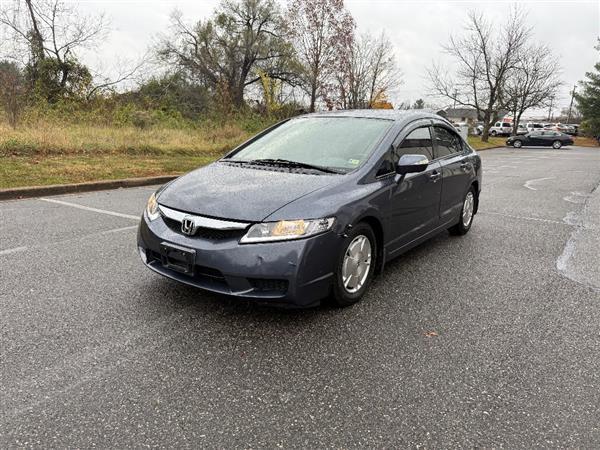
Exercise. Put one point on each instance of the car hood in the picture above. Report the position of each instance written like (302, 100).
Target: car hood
(240, 193)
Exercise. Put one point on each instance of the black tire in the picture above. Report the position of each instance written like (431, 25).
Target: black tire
(493, 133)
(556, 145)
(341, 296)
(518, 143)
(460, 229)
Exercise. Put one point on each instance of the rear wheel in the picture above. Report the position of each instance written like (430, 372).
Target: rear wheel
(356, 265)
(466, 214)
(557, 144)
(493, 133)
(517, 144)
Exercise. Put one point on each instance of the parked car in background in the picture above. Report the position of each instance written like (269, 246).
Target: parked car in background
(521, 129)
(575, 127)
(280, 220)
(543, 138)
(501, 129)
(478, 129)
(531, 126)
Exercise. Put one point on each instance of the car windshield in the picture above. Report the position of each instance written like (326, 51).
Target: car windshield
(341, 143)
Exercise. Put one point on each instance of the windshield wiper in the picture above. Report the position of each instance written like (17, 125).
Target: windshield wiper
(294, 164)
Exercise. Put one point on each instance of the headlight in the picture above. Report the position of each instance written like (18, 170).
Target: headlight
(152, 208)
(285, 230)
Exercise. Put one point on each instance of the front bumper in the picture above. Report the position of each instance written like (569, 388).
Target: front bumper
(296, 273)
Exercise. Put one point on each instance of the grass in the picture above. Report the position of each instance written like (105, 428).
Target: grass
(44, 154)
(478, 144)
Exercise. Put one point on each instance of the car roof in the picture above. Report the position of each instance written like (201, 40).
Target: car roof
(396, 115)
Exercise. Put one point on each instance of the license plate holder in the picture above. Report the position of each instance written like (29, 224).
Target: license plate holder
(177, 258)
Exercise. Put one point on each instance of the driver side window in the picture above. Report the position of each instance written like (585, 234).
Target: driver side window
(418, 142)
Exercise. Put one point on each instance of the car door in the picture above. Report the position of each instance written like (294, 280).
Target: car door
(535, 138)
(457, 171)
(413, 208)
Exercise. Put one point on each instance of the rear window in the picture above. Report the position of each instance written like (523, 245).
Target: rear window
(336, 142)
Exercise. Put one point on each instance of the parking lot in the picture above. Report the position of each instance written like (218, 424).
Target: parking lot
(492, 339)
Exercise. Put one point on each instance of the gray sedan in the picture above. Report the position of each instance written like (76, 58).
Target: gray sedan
(313, 207)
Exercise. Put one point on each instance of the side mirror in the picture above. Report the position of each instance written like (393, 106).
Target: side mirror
(411, 164)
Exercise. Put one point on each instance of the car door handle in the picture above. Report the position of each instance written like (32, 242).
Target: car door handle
(434, 176)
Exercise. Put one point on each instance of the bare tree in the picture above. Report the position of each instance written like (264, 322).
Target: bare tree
(12, 91)
(367, 72)
(51, 30)
(484, 57)
(225, 52)
(532, 83)
(320, 30)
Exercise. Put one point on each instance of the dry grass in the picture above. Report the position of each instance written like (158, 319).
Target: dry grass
(586, 141)
(48, 140)
(45, 154)
(478, 144)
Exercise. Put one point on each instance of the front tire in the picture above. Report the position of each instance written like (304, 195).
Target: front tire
(517, 144)
(466, 214)
(556, 145)
(356, 265)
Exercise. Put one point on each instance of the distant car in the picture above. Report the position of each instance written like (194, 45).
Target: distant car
(521, 129)
(542, 138)
(478, 130)
(501, 129)
(575, 127)
(531, 127)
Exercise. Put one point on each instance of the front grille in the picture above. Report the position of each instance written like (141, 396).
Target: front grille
(269, 285)
(210, 234)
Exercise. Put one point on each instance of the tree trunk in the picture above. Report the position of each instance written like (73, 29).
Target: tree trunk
(313, 97)
(485, 135)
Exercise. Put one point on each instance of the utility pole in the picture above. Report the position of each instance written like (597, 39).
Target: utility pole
(571, 105)
(455, 94)
(550, 108)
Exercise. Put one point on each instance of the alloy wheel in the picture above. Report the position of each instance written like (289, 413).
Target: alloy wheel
(517, 144)
(357, 263)
(557, 144)
(468, 207)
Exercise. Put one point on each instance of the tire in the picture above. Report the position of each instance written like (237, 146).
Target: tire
(347, 291)
(556, 145)
(518, 144)
(493, 133)
(467, 213)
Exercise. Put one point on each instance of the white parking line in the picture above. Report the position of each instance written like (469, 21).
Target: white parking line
(535, 219)
(529, 182)
(87, 208)
(12, 250)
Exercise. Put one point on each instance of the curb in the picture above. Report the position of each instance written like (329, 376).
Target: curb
(58, 189)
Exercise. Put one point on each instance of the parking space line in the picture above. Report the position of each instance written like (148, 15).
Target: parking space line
(529, 182)
(87, 208)
(12, 250)
(535, 219)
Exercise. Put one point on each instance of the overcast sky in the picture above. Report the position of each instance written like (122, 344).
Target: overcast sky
(417, 29)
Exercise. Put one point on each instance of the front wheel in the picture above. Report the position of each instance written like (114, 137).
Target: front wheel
(556, 145)
(356, 265)
(493, 133)
(517, 144)
(466, 215)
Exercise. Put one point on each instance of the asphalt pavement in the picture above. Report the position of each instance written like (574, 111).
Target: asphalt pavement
(488, 340)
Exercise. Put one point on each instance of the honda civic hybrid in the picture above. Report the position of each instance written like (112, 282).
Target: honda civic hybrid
(313, 207)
